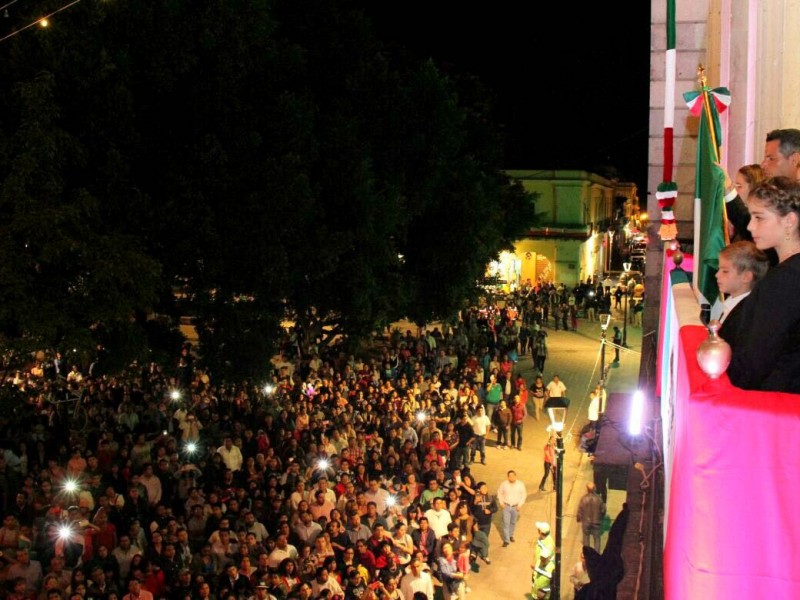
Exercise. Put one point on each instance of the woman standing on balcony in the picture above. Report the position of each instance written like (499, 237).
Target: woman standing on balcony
(768, 357)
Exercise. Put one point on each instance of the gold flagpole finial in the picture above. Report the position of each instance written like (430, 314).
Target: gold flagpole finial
(701, 75)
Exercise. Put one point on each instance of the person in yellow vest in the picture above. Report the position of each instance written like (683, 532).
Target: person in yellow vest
(544, 541)
(543, 575)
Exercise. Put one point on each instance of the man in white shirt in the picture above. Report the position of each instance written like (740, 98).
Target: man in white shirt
(511, 495)
(375, 493)
(438, 517)
(556, 388)
(283, 549)
(480, 425)
(231, 455)
(416, 580)
(254, 526)
(307, 530)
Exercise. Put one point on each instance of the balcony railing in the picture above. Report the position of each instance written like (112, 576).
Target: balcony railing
(732, 528)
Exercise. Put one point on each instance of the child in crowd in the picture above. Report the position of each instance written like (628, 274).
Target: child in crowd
(741, 265)
(464, 563)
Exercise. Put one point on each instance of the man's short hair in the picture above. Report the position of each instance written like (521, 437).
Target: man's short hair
(789, 140)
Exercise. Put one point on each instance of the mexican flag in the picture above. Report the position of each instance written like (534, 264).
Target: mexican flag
(710, 235)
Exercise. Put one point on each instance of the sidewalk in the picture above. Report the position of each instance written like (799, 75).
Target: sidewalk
(575, 357)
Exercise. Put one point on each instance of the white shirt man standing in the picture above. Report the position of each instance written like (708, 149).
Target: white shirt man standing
(481, 423)
(556, 388)
(416, 580)
(438, 517)
(511, 495)
(231, 455)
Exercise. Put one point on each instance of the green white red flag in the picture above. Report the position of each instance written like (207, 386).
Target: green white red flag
(710, 222)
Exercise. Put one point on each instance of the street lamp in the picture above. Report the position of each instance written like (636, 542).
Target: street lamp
(610, 257)
(605, 320)
(558, 416)
(627, 267)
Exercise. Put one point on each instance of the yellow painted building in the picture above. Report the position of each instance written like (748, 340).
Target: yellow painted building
(581, 216)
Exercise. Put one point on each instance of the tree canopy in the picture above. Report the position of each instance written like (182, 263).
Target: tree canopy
(238, 162)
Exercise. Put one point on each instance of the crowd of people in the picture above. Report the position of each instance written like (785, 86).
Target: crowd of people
(339, 476)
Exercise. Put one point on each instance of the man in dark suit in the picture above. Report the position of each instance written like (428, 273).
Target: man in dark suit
(235, 582)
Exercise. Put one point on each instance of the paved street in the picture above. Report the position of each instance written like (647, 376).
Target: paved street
(575, 357)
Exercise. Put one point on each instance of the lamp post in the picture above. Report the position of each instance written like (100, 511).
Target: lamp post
(605, 319)
(558, 416)
(627, 267)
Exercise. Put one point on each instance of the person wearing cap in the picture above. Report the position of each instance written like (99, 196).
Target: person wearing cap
(543, 575)
(544, 543)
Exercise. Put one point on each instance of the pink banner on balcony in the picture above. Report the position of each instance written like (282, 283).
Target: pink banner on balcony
(732, 522)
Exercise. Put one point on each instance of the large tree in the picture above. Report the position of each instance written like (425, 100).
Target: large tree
(238, 162)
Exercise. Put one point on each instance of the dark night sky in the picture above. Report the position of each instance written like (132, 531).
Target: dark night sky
(571, 81)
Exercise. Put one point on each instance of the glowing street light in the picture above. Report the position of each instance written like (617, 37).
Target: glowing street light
(558, 418)
(636, 414)
(605, 321)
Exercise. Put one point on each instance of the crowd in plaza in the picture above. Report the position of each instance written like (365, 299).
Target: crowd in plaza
(338, 476)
